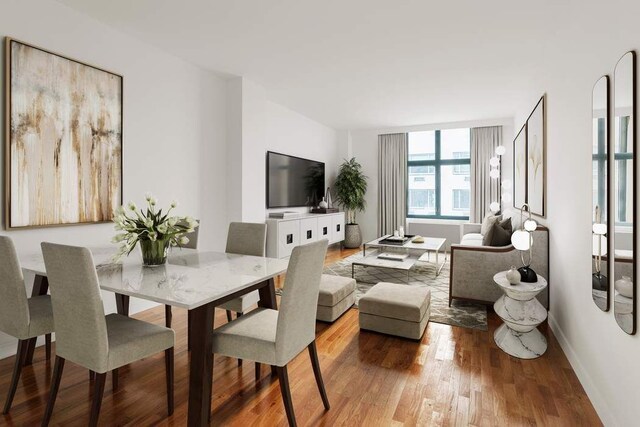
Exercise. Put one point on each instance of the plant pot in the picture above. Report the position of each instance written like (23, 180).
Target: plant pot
(352, 236)
(154, 253)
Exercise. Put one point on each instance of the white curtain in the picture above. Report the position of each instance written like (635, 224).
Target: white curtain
(484, 189)
(392, 182)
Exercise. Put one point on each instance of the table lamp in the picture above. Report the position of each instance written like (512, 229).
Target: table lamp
(522, 240)
(599, 232)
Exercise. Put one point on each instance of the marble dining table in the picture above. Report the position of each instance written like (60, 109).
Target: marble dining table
(195, 280)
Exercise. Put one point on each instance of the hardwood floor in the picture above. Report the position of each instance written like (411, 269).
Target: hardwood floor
(454, 376)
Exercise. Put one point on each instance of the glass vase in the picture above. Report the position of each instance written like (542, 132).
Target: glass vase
(154, 253)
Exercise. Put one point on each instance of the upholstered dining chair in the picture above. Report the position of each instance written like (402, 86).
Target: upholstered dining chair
(191, 244)
(275, 337)
(245, 238)
(21, 317)
(85, 336)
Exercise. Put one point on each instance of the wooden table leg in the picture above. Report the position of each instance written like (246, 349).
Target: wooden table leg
(122, 304)
(268, 295)
(201, 365)
(40, 287)
(268, 300)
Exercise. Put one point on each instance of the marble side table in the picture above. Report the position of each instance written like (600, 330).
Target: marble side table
(521, 313)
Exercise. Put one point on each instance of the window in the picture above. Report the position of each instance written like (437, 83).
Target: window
(439, 174)
(461, 200)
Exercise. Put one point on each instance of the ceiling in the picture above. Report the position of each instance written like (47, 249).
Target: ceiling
(354, 64)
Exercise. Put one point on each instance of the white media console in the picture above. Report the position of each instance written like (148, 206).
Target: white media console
(286, 233)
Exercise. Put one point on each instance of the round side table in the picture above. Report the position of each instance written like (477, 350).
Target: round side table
(521, 312)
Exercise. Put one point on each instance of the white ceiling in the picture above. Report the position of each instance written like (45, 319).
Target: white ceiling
(354, 64)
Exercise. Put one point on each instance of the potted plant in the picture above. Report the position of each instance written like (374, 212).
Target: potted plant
(154, 231)
(351, 186)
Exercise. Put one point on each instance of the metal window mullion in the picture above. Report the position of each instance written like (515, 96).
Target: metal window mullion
(438, 175)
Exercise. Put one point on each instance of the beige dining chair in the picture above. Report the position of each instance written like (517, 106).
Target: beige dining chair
(191, 244)
(21, 317)
(85, 336)
(245, 238)
(275, 337)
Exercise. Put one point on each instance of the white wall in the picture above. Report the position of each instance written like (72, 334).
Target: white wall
(604, 357)
(364, 147)
(267, 126)
(174, 125)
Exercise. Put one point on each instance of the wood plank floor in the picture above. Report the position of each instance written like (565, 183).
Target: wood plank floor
(454, 376)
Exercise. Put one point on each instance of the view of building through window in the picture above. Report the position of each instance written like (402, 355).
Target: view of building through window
(439, 174)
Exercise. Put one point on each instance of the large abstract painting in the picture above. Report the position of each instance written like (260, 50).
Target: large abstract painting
(536, 160)
(520, 168)
(64, 139)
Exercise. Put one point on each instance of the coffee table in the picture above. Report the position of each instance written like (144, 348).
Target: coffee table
(416, 251)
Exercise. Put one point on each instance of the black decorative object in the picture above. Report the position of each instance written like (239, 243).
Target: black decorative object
(527, 275)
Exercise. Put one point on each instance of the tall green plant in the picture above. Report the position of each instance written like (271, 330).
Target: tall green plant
(351, 186)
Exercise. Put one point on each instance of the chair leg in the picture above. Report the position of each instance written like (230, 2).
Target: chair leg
(114, 379)
(47, 345)
(283, 377)
(257, 372)
(92, 375)
(229, 318)
(313, 354)
(167, 316)
(53, 392)
(21, 355)
(98, 392)
(168, 361)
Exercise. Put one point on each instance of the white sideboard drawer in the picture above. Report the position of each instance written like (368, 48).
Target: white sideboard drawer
(308, 230)
(288, 237)
(325, 225)
(337, 228)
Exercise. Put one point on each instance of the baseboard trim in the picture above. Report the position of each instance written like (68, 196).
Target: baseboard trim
(605, 414)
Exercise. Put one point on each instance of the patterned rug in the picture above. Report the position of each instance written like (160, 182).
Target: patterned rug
(460, 313)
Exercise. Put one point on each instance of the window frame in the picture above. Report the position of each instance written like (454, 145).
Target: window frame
(437, 163)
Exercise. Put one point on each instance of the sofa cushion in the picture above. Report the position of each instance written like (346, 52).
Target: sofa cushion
(499, 236)
(472, 239)
(506, 224)
(396, 301)
(488, 221)
(334, 289)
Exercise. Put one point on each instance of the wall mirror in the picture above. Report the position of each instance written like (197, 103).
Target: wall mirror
(624, 206)
(600, 201)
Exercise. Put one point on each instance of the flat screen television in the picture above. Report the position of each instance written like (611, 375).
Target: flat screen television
(293, 181)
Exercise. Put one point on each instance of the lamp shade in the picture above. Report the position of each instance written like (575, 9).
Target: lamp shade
(494, 162)
(599, 245)
(600, 229)
(500, 150)
(520, 240)
(530, 225)
(494, 173)
(494, 206)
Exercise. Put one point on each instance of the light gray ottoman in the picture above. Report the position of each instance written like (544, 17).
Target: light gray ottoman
(395, 309)
(336, 295)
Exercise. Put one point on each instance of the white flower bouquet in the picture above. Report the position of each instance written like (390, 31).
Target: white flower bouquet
(156, 231)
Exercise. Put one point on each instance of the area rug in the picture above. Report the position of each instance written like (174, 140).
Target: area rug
(460, 313)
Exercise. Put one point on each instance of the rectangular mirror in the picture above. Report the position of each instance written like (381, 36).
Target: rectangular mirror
(624, 207)
(600, 196)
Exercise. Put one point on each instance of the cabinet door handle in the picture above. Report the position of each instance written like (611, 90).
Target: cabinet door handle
(289, 239)
(309, 234)
(338, 227)
(324, 231)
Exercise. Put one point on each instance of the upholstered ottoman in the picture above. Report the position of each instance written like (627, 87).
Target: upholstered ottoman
(337, 294)
(395, 309)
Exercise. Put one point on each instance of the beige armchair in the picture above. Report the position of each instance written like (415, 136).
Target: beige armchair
(473, 265)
